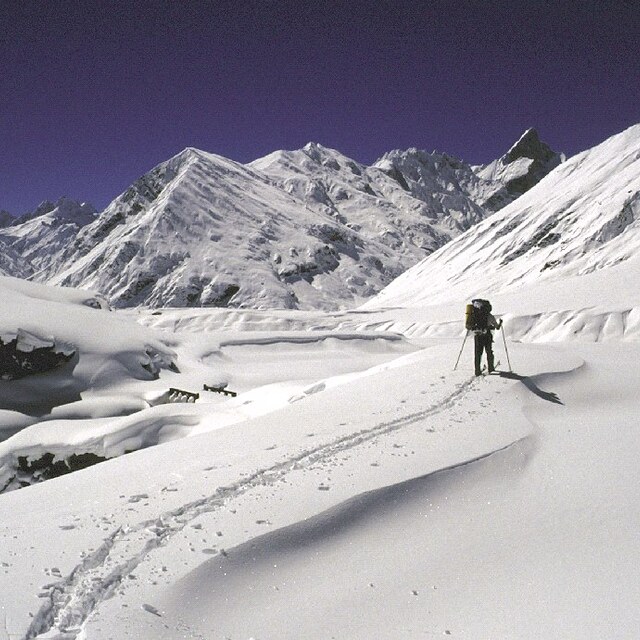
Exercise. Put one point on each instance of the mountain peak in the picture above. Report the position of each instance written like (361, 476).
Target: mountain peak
(316, 150)
(187, 154)
(311, 146)
(529, 145)
(527, 162)
(64, 208)
(68, 209)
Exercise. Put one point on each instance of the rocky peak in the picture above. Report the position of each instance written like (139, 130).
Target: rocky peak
(64, 208)
(530, 146)
(527, 162)
(73, 211)
(317, 152)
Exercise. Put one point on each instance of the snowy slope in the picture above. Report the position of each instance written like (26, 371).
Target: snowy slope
(40, 235)
(354, 488)
(412, 219)
(579, 220)
(201, 230)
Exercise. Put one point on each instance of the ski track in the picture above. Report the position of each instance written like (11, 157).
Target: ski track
(71, 601)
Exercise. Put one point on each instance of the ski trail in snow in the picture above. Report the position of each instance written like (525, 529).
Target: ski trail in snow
(71, 601)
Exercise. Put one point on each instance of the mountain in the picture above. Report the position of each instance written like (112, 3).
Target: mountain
(581, 219)
(410, 220)
(297, 229)
(521, 168)
(38, 236)
(309, 228)
(202, 230)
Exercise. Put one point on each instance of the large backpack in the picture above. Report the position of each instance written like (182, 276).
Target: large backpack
(477, 315)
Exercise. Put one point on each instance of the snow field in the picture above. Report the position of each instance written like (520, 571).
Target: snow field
(266, 435)
(346, 461)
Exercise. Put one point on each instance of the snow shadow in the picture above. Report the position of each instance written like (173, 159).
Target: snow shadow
(36, 395)
(359, 513)
(549, 396)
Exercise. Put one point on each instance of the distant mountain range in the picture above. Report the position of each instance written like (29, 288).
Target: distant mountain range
(309, 228)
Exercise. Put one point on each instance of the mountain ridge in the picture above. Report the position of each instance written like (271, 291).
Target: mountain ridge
(308, 228)
(581, 218)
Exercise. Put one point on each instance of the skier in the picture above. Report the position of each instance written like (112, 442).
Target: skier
(480, 320)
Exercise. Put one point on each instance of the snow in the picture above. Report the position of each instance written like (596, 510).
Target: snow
(579, 219)
(357, 486)
(303, 229)
(39, 235)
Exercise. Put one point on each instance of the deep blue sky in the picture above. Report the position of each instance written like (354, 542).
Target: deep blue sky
(94, 94)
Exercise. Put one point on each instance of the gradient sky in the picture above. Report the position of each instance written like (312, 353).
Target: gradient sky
(94, 94)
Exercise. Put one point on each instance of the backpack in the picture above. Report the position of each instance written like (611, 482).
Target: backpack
(477, 315)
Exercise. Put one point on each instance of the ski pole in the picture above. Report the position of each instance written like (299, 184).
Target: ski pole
(504, 340)
(461, 348)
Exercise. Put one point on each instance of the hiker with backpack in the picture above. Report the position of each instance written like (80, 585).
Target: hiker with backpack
(479, 319)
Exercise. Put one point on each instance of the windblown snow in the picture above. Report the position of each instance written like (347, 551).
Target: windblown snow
(338, 477)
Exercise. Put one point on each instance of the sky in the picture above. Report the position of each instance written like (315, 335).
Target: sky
(94, 94)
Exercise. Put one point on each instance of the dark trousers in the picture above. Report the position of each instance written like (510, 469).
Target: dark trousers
(483, 342)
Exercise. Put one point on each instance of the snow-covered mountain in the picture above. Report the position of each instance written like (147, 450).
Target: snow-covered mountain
(521, 168)
(202, 230)
(310, 228)
(39, 236)
(302, 229)
(377, 200)
(581, 219)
